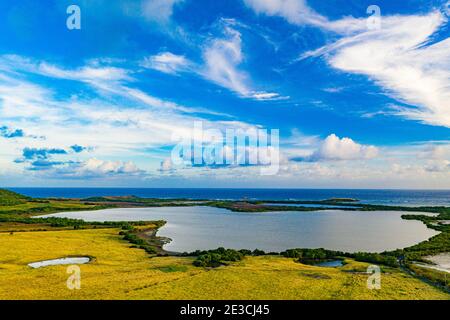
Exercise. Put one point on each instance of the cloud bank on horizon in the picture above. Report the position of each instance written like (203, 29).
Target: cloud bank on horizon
(356, 105)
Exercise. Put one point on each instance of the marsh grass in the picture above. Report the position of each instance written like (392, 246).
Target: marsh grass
(120, 272)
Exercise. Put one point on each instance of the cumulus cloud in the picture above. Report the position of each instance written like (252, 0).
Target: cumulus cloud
(437, 152)
(437, 158)
(335, 148)
(91, 168)
(166, 165)
(438, 166)
(96, 167)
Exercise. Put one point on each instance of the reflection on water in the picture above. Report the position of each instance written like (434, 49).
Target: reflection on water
(200, 227)
(332, 263)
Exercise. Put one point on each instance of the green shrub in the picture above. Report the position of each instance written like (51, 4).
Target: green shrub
(217, 257)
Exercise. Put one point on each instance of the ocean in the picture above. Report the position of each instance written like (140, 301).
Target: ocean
(385, 197)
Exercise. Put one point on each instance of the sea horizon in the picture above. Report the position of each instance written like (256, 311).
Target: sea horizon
(404, 197)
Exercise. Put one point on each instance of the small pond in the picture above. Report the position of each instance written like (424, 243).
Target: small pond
(331, 263)
(60, 261)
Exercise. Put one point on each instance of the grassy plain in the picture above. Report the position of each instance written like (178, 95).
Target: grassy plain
(121, 272)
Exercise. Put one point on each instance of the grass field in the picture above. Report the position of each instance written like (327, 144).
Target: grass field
(121, 272)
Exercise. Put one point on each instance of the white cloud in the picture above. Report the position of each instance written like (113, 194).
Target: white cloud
(437, 158)
(299, 13)
(110, 80)
(101, 167)
(86, 73)
(436, 152)
(222, 57)
(221, 60)
(399, 58)
(92, 168)
(333, 89)
(262, 95)
(334, 148)
(166, 165)
(159, 11)
(96, 71)
(119, 121)
(167, 62)
(438, 166)
(294, 11)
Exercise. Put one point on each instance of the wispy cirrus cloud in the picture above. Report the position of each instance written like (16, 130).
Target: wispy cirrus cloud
(298, 12)
(119, 119)
(222, 58)
(100, 75)
(109, 119)
(221, 64)
(167, 62)
(159, 11)
(403, 59)
(403, 56)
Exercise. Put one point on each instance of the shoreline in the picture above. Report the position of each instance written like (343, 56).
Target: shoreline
(26, 211)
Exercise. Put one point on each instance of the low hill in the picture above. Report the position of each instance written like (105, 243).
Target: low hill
(10, 198)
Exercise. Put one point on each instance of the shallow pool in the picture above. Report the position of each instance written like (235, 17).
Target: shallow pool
(60, 261)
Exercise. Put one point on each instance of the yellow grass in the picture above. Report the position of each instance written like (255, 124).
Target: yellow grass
(121, 272)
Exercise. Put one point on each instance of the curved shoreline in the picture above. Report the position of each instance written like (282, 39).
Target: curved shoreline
(27, 212)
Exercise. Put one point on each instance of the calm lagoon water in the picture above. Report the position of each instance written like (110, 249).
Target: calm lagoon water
(202, 227)
(331, 264)
(309, 205)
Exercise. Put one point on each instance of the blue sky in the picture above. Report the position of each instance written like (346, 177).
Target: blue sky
(357, 105)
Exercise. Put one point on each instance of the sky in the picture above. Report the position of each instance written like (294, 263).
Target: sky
(359, 92)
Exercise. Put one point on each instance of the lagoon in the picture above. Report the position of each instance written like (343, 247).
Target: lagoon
(203, 227)
(310, 205)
